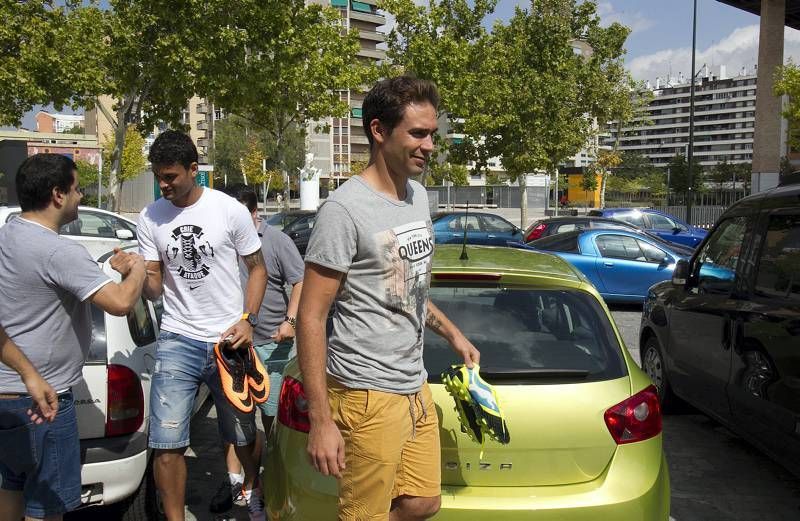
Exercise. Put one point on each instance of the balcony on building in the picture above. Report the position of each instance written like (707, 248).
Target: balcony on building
(202, 125)
(202, 108)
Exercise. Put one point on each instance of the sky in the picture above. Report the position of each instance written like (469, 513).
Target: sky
(661, 37)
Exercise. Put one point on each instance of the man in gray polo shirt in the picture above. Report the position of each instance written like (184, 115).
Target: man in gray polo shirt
(46, 285)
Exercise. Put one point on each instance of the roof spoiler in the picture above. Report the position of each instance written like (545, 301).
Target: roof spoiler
(791, 179)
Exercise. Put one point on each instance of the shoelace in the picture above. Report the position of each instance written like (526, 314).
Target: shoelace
(237, 373)
(250, 367)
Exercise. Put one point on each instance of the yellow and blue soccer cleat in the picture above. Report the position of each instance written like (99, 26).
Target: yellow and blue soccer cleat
(476, 404)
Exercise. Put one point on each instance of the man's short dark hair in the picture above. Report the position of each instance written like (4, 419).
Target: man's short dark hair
(38, 175)
(388, 99)
(172, 147)
(249, 199)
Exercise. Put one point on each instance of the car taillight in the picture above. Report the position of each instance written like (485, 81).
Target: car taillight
(536, 232)
(293, 405)
(125, 409)
(636, 419)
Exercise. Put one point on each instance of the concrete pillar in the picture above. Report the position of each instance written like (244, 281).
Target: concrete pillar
(767, 141)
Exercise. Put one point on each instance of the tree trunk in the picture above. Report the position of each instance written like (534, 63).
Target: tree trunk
(603, 181)
(522, 179)
(114, 187)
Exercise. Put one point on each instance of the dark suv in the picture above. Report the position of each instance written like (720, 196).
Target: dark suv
(724, 334)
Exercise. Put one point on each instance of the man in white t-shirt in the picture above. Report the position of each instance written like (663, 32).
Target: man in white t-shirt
(191, 240)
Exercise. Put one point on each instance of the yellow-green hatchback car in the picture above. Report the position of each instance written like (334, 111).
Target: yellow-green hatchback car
(584, 420)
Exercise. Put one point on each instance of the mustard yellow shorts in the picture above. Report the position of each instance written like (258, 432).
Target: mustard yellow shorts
(391, 449)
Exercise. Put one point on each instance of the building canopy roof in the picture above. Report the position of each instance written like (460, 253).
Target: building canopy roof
(754, 6)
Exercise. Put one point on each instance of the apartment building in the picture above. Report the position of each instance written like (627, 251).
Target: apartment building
(49, 123)
(338, 143)
(199, 115)
(724, 120)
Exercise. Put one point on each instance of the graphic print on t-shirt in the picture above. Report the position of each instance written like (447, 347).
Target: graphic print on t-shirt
(407, 253)
(190, 254)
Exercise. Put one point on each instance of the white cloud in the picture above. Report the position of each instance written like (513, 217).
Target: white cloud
(738, 49)
(637, 21)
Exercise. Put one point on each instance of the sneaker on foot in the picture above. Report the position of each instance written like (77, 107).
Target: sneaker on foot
(223, 499)
(255, 505)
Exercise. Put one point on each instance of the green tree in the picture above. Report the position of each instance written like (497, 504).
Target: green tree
(679, 175)
(525, 95)
(633, 165)
(441, 172)
(787, 83)
(75, 129)
(132, 162)
(285, 65)
(52, 52)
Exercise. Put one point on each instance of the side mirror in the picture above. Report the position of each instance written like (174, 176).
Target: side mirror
(676, 230)
(124, 235)
(666, 261)
(680, 275)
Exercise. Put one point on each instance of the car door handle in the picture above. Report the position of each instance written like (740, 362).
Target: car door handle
(457, 234)
(608, 263)
(491, 236)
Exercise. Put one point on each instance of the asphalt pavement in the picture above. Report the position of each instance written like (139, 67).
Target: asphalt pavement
(714, 474)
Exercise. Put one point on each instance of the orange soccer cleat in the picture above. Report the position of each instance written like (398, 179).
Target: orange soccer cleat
(257, 377)
(233, 376)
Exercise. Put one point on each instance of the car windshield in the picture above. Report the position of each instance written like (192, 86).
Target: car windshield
(277, 219)
(527, 334)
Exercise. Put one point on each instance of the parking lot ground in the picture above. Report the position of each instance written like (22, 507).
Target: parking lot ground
(714, 474)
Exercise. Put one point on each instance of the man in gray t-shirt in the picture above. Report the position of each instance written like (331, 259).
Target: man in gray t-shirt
(373, 423)
(46, 285)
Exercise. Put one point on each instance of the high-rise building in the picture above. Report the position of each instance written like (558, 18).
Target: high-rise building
(338, 143)
(724, 121)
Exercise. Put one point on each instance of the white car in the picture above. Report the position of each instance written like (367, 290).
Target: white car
(98, 230)
(112, 407)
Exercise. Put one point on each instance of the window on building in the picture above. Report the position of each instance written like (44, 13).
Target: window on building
(356, 112)
(361, 7)
(339, 3)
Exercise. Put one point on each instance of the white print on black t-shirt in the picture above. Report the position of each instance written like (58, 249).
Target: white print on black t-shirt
(192, 254)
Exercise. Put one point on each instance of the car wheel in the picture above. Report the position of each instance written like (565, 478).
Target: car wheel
(653, 364)
(144, 504)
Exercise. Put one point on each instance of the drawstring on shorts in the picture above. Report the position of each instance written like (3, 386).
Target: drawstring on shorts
(412, 399)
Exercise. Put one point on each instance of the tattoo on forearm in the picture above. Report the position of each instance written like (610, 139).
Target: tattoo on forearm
(253, 260)
(433, 322)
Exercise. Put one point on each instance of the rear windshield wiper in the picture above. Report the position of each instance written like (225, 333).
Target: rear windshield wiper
(514, 374)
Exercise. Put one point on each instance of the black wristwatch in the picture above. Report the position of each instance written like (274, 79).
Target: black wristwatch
(252, 318)
(291, 320)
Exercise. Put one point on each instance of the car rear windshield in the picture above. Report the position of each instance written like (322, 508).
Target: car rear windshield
(563, 242)
(527, 335)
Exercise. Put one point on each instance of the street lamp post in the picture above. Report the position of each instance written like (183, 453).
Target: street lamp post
(690, 155)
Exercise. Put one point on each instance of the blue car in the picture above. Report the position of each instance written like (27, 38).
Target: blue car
(621, 264)
(666, 226)
(482, 228)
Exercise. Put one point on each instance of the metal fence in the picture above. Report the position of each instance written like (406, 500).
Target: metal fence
(499, 196)
(707, 206)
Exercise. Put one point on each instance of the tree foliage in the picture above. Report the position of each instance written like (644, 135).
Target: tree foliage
(456, 174)
(52, 52)
(679, 175)
(787, 83)
(132, 161)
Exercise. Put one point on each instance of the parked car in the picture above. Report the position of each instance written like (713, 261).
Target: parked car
(621, 264)
(482, 228)
(98, 230)
(553, 225)
(584, 420)
(666, 226)
(282, 219)
(299, 230)
(724, 333)
(112, 406)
